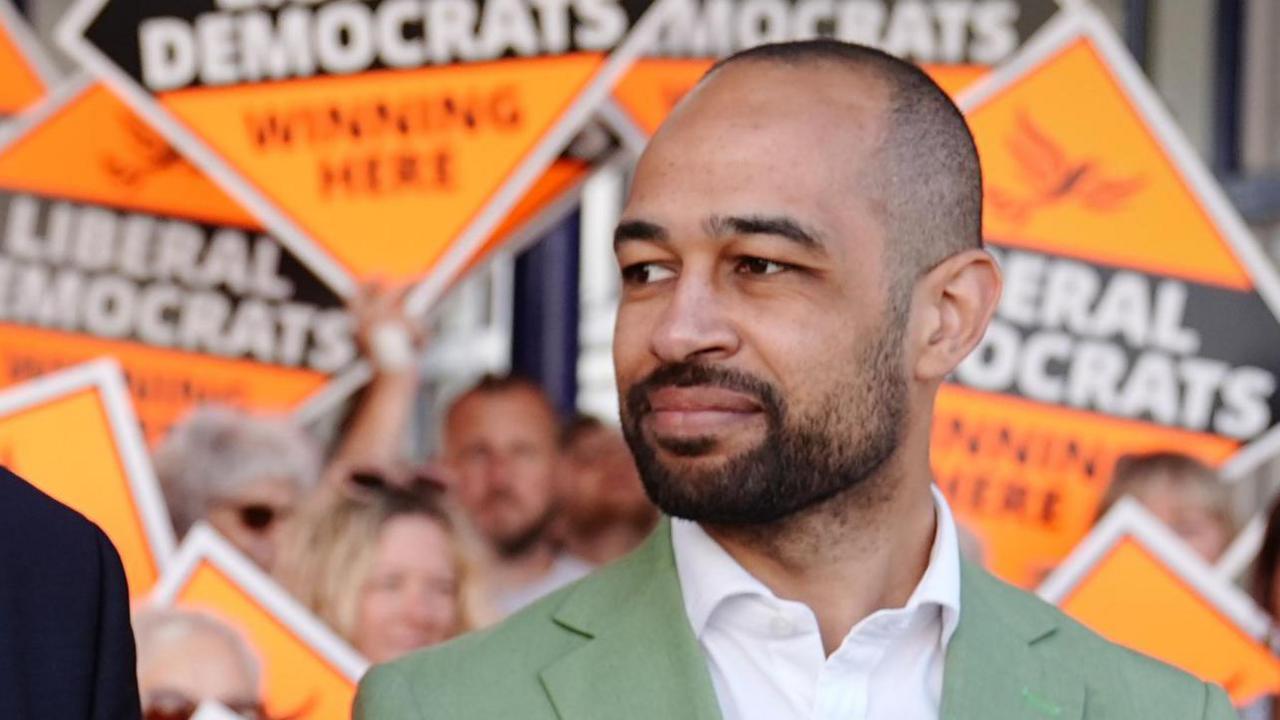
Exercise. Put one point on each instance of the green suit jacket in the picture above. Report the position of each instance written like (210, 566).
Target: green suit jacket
(618, 644)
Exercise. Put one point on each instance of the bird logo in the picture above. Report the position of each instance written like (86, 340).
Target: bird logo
(151, 154)
(1051, 177)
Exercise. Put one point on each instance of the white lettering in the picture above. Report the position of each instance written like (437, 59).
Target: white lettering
(167, 48)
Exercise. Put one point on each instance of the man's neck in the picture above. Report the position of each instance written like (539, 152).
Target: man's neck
(856, 553)
(607, 541)
(514, 571)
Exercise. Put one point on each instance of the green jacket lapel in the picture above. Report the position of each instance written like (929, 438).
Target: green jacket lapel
(992, 672)
(642, 659)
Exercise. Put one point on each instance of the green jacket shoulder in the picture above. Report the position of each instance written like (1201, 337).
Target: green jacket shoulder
(488, 672)
(1118, 682)
(617, 645)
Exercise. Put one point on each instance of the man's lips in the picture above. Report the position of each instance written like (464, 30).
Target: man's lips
(699, 410)
(701, 398)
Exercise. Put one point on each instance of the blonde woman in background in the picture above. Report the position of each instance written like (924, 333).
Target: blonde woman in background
(386, 566)
(1183, 493)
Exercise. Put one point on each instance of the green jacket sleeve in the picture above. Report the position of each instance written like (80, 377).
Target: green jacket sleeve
(384, 695)
(1217, 706)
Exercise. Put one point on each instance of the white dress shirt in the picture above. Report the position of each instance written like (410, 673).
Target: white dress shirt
(765, 653)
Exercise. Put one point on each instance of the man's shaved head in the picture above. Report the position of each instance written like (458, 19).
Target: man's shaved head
(927, 178)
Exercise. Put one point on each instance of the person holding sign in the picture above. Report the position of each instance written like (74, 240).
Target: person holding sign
(802, 266)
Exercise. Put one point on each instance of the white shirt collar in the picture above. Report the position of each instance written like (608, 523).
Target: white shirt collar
(709, 575)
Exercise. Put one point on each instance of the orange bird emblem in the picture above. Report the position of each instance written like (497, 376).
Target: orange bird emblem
(1051, 177)
(152, 154)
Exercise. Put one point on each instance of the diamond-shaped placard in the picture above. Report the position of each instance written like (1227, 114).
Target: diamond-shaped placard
(378, 140)
(106, 477)
(309, 673)
(111, 243)
(1138, 313)
(1139, 585)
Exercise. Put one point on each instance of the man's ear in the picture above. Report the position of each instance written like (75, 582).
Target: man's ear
(952, 305)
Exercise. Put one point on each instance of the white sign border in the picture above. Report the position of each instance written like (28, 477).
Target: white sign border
(537, 225)
(1243, 550)
(633, 137)
(204, 544)
(29, 45)
(1128, 519)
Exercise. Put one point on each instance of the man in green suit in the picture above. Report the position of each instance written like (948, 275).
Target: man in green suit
(802, 265)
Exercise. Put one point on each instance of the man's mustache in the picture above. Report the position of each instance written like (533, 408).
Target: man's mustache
(691, 374)
(499, 496)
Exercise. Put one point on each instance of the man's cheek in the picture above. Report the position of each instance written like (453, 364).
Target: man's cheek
(631, 336)
(473, 497)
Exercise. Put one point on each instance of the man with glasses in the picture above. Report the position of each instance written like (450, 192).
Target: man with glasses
(241, 473)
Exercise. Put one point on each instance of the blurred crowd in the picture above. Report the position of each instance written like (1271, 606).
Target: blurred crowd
(392, 555)
(516, 502)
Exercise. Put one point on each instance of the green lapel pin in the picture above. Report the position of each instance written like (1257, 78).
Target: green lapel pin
(1042, 705)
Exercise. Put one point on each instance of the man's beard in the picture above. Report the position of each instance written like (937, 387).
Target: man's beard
(802, 461)
(517, 544)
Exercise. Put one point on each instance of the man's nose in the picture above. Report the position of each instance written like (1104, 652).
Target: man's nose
(694, 324)
(498, 471)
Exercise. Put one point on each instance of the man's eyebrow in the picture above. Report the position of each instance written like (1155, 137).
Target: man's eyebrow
(777, 225)
(639, 230)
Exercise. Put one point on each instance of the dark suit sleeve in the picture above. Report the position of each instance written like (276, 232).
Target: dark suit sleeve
(115, 691)
(66, 647)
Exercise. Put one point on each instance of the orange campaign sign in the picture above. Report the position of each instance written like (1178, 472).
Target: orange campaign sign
(555, 193)
(1136, 583)
(25, 72)
(108, 478)
(1120, 256)
(957, 43)
(308, 672)
(385, 139)
(111, 243)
